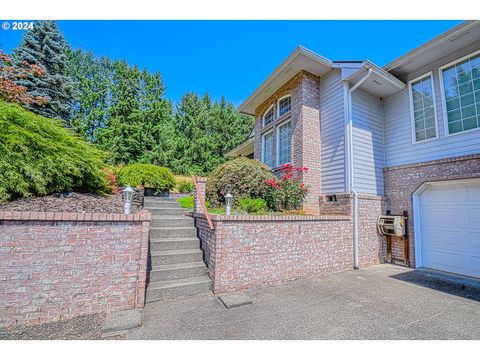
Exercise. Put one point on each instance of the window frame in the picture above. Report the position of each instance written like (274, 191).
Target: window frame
(277, 139)
(278, 105)
(265, 113)
(444, 99)
(412, 110)
(263, 148)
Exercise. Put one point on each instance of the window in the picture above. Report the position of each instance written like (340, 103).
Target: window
(267, 149)
(284, 143)
(422, 98)
(461, 90)
(284, 105)
(268, 117)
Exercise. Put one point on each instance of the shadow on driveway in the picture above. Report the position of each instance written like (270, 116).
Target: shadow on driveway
(468, 288)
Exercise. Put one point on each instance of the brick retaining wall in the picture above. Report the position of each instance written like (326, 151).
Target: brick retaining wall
(247, 251)
(58, 265)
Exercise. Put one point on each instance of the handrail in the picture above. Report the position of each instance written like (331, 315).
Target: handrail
(198, 192)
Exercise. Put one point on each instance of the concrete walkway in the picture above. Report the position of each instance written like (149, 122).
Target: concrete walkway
(380, 302)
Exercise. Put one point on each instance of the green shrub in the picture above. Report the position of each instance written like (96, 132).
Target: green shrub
(38, 156)
(186, 202)
(185, 187)
(147, 175)
(253, 205)
(243, 177)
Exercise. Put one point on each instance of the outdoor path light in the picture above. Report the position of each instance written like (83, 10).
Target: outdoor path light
(228, 201)
(127, 196)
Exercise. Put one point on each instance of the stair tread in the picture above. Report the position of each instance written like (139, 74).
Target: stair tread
(172, 227)
(179, 282)
(179, 266)
(192, 238)
(175, 252)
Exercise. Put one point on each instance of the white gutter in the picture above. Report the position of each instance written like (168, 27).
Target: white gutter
(350, 156)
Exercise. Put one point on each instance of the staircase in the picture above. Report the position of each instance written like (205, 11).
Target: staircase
(176, 266)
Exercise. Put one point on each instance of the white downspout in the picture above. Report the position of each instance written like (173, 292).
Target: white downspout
(351, 184)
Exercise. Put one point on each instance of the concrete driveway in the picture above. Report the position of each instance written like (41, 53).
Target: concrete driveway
(380, 302)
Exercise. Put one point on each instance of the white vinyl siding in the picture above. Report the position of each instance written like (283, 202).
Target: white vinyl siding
(424, 122)
(284, 143)
(461, 86)
(269, 116)
(332, 133)
(399, 149)
(284, 105)
(267, 149)
(368, 148)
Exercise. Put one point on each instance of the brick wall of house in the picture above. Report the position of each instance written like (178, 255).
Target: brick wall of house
(58, 265)
(402, 181)
(305, 117)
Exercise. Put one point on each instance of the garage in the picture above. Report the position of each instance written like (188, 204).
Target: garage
(449, 226)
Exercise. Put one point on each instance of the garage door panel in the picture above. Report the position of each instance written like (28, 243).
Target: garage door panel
(450, 227)
(473, 193)
(443, 215)
(474, 217)
(448, 194)
(445, 260)
(473, 266)
(445, 239)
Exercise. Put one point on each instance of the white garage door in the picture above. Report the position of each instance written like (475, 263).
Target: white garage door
(450, 227)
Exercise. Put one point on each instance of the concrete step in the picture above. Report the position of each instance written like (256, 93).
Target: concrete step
(172, 232)
(167, 211)
(169, 257)
(163, 205)
(178, 271)
(171, 221)
(152, 201)
(164, 290)
(191, 243)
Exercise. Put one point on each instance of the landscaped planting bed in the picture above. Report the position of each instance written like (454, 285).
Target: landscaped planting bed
(69, 202)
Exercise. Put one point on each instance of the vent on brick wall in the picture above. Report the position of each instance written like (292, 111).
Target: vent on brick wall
(331, 198)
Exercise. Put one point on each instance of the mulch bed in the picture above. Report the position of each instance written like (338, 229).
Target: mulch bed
(69, 202)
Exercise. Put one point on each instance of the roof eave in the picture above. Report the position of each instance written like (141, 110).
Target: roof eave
(300, 50)
(446, 36)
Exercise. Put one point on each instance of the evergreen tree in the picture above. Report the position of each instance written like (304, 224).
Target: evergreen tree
(205, 131)
(45, 46)
(92, 80)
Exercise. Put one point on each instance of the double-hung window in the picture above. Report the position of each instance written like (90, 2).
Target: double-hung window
(461, 90)
(267, 149)
(422, 106)
(284, 141)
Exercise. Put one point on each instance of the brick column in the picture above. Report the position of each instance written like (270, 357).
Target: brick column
(197, 206)
(306, 138)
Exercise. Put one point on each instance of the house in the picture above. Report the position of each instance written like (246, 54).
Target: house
(407, 133)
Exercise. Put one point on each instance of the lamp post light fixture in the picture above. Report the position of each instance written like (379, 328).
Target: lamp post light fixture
(228, 202)
(127, 196)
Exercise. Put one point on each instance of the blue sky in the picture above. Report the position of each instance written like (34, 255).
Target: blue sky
(232, 58)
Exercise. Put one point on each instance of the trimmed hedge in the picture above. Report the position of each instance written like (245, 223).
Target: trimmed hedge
(148, 175)
(38, 156)
(243, 177)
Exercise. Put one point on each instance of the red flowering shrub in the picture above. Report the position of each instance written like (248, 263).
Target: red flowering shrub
(287, 192)
(10, 73)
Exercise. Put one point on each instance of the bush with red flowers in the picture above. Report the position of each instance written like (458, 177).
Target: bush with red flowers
(289, 191)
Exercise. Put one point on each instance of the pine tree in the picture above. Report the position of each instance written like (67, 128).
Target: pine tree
(46, 47)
